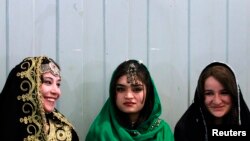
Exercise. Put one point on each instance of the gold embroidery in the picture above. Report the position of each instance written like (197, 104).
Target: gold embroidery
(62, 118)
(59, 131)
(33, 113)
(31, 98)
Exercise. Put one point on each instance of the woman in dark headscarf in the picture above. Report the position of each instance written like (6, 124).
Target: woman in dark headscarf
(218, 104)
(27, 103)
(132, 110)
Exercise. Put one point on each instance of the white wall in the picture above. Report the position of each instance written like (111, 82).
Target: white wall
(176, 39)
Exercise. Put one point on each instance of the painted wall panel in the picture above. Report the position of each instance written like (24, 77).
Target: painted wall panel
(94, 62)
(21, 31)
(90, 38)
(45, 30)
(125, 33)
(70, 40)
(168, 53)
(238, 42)
(25, 34)
(137, 30)
(3, 43)
(117, 35)
(208, 28)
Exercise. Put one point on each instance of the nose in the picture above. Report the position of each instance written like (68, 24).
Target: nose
(217, 99)
(129, 94)
(56, 90)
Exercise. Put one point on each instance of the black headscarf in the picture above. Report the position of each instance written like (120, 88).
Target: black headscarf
(197, 122)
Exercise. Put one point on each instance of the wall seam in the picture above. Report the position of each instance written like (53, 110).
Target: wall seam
(7, 37)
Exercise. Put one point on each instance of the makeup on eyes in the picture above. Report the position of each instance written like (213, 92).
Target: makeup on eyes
(135, 88)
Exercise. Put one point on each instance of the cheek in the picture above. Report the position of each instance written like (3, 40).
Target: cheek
(207, 100)
(118, 98)
(141, 98)
(44, 90)
(228, 100)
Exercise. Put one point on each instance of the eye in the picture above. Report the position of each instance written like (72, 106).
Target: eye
(58, 84)
(47, 82)
(137, 89)
(208, 93)
(119, 89)
(225, 92)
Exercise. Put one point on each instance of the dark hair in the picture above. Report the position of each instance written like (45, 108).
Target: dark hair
(47, 60)
(226, 77)
(143, 75)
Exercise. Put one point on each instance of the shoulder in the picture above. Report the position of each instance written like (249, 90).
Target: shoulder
(189, 117)
(166, 130)
(187, 120)
(61, 118)
(190, 125)
(166, 127)
(74, 136)
(100, 132)
(164, 123)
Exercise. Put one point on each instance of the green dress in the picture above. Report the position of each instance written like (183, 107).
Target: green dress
(106, 127)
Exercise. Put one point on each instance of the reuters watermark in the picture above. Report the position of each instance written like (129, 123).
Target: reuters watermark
(228, 133)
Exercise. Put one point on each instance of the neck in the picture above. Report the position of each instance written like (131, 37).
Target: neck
(218, 121)
(133, 117)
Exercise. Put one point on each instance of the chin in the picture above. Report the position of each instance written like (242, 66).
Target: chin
(49, 110)
(130, 112)
(219, 115)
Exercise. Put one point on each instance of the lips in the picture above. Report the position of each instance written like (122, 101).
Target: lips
(221, 108)
(129, 103)
(50, 99)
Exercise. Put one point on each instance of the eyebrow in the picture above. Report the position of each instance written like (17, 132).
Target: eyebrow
(210, 90)
(132, 85)
(50, 78)
(121, 85)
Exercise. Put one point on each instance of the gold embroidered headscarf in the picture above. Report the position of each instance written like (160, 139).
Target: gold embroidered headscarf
(22, 115)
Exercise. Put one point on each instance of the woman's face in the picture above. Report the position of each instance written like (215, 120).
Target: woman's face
(217, 100)
(130, 98)
(50, 90)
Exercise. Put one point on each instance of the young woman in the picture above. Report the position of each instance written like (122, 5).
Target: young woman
(132, 110)
(218, 105)
(27, 103)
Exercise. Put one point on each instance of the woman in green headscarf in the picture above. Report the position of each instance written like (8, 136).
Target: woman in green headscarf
(132, 110)
(27, 103)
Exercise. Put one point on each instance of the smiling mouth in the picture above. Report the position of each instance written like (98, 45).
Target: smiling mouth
(218, 108)
(50, 99)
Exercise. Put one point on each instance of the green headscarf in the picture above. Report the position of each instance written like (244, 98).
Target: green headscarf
(107, 128)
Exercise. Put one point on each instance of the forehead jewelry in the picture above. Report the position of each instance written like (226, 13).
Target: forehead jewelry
(50, 67)
(131, 74)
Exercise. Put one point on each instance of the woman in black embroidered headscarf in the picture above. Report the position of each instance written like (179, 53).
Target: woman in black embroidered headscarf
(27, 103)
(218, 104)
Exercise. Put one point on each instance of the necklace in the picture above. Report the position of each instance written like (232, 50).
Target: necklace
(132, 124)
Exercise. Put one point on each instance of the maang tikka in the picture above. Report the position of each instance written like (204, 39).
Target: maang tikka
(50, 67)
(131, 74)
